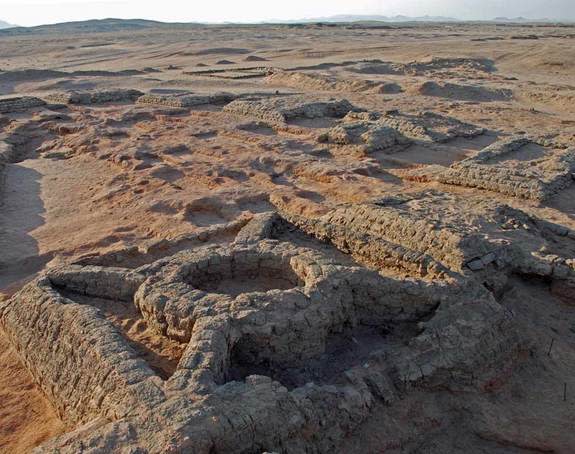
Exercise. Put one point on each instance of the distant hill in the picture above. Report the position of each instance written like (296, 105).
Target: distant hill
(6, 25)
(342, 18)
(120, 25)
(345, 18)
(521, 20)
(93, 26)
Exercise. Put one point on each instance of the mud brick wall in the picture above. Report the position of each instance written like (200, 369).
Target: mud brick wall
(89, 372)
(550, 177)
(501, 180)
(101, 282)
(430, 126)
(19, 103)
(259, 228)
(277, 111)
(391, 238)
(185, 101)
(80, 361)
(256, 109)
(97, 97)
(173, 101)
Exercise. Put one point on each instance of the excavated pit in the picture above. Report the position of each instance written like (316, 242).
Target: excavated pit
(354, 347)
(232, 278)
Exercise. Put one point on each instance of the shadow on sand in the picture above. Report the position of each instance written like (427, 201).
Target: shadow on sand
(21, 209)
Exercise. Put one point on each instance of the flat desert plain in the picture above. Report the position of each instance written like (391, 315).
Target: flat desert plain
(352, 238)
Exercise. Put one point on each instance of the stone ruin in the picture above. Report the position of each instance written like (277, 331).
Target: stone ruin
(279, 110)
(286, 348)
(287, 345)
(276, 110)
(185, 99)
(9, 152)
(117, 95)
(464, 92)
(14, 104)
(325, 82)
(445, 236)
(94, 97)
(394, 131)
(429, 126)
(368, 136)
(519, 166)
(456, 67)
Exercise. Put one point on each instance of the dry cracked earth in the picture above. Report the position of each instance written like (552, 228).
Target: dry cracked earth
(288, 239)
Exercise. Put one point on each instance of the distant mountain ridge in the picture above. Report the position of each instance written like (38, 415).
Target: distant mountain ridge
(95, 26)
(344, 18)
(341, 18)
(119, 25)
(523, 20)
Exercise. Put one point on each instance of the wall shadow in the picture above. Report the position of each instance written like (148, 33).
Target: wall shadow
(21, 212)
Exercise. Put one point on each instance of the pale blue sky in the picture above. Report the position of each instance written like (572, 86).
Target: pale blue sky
(34, 12)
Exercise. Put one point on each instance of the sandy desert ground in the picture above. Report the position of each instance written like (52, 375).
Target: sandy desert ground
(137, 147)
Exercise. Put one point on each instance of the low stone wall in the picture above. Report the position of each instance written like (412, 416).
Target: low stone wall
(101, 282)
(430, 126)
(539, 182)
(385, 237)
(321, 82)
(391, 235)
(95, 97)
(16, 104)
(370, 136)
(7, 154)
(535, 179)
(509, 182)
(260, 227)
(371, 250)
(497, 149)
(185, 100)
(280, 110)
(235, 73)
(78, 358)
(257, 110)
(471, 337)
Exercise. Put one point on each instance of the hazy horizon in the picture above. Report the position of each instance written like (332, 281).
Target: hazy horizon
(38, 12)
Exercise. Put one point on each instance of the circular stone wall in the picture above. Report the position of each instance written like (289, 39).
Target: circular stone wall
(239, 273)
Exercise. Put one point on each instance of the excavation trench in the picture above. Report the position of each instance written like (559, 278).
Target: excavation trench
(161, 353)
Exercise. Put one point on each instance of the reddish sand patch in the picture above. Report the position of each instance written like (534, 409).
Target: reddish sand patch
(27, 419)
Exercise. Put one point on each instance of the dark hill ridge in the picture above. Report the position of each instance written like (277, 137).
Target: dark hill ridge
(120, 25)
(345, 18)
(94, 26)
